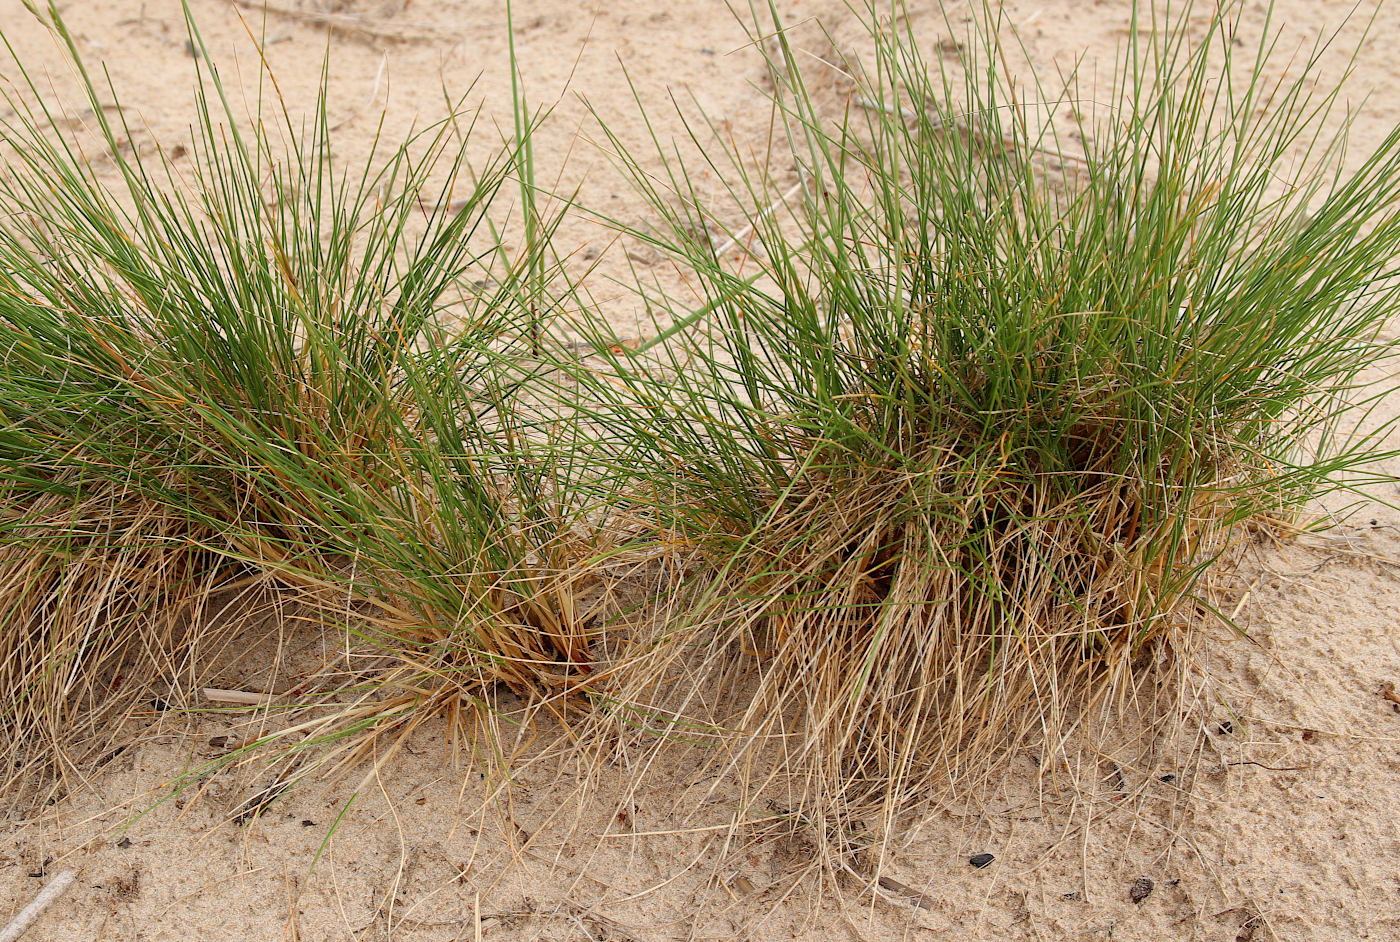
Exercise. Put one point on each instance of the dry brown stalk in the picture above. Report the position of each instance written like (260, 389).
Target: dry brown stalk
(355, 25)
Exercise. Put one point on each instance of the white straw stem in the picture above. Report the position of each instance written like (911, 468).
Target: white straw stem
(767, 210)
(245, 697)
(27, 916)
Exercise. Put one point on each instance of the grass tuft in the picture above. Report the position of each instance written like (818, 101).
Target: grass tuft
(239, 361)
(971, 399)
(961, 408)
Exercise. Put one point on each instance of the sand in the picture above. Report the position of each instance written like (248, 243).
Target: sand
(1269, 810)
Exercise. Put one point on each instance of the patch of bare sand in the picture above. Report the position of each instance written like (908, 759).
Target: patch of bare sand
(1268, 813)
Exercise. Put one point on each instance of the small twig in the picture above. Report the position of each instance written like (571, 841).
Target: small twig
(908, 893)
(734, 240)
(1274, 768)
(373, 94)
(581, 915)
(27, 916)
(245, 697)
(345, 22)
(891, 891)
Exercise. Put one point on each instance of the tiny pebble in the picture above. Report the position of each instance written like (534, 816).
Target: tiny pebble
(1140, 890)
(980, 860)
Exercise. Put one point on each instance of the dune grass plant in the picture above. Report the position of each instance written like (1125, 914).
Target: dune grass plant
(957, 407)
(970, 387)
(240, 367)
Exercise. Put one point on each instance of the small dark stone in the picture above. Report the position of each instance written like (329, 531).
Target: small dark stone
(124, 843)
(1141, 889)
(981, 860)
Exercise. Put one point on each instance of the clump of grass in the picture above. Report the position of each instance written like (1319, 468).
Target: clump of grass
(963, 424)
(245, 365)
(960, 421)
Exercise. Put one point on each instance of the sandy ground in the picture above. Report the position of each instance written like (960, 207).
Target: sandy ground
(1270, 811)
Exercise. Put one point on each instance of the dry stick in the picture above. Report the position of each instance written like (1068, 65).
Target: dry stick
(244, 697)
(373, 94)
(908, 894)
(768, 210)
(56, 888)
(406, 32)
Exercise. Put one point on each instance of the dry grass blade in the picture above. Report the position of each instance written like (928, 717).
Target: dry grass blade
(105, 606)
